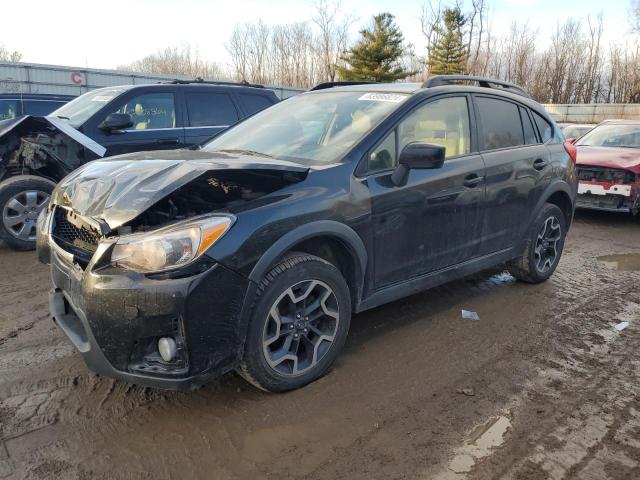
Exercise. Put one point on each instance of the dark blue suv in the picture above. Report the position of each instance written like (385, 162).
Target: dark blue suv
(36, 152)
(251, 253)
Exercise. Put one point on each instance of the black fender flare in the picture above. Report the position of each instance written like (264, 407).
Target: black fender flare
(329, 228)
(555, 187)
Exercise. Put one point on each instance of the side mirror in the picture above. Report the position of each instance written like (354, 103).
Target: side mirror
(417, 155)
(116, 121)
(571, 141)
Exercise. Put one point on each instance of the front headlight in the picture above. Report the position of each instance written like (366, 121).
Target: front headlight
(170, 247)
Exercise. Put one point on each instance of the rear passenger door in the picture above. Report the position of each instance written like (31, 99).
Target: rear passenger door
(516, 163)
(209, 112)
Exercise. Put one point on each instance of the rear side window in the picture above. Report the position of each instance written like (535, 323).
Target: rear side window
(8, 109)
(544, 127)
(530, 137)
(210, 109)
(254, 103)
(500, 124)
(40, 108)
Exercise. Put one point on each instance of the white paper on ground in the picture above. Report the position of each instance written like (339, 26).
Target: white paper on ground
(468, 315)
(621, 326)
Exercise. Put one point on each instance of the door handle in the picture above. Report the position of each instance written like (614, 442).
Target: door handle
(168, 141)
(539, 164)
(473, 180)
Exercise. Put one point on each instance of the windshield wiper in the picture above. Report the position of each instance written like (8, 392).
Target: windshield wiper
(62, 117)
(248, 152)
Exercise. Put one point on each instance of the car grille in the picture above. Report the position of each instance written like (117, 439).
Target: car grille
(68, 231)
(603, 174)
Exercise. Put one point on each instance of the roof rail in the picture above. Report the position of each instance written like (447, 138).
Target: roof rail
(322, 86)
(200, 80)
(439, 80)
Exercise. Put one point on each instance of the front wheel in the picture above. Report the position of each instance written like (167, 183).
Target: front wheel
(543, 248)
(22, 198)
(298, 326)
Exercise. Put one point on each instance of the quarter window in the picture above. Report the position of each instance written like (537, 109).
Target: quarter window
(383, 156)
(500, 124)
(210, 109)
(151, 110)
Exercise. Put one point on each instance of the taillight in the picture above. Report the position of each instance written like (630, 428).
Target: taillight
(571, 150)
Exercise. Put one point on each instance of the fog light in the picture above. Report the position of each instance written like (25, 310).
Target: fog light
(167, 348)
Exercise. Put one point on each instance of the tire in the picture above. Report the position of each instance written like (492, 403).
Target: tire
(320, 333)
(29, 194)
(532, 267)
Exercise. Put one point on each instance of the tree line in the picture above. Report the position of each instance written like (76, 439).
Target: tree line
(574, 66)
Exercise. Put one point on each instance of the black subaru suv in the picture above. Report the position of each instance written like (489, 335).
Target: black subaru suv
(36, 152)
(252, 253)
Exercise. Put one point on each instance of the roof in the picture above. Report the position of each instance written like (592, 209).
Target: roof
(36, 96)
(375, 87)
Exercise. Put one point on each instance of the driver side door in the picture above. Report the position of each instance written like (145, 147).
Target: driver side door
(434, 220)
(157, 123)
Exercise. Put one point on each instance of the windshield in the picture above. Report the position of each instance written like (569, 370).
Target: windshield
(309, 128)
(79, 110)
(613, 135)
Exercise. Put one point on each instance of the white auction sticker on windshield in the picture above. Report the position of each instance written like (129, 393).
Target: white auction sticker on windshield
(383, 97)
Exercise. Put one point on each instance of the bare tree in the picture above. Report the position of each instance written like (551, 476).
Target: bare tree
(634, 15)
(175, 61)
(333, 36)
(9, 56)
(431, 22)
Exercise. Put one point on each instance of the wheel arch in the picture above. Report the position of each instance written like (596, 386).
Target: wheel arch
(332, 241)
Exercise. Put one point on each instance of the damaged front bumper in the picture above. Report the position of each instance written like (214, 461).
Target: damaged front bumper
(115, 318)
(608, 197)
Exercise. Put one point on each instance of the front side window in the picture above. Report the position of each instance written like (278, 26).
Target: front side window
(210, 109)
(150, 111)
(613, 135)
(443, 122)
(80, 109)
(8, 109)
(500, 124)
(310, 128)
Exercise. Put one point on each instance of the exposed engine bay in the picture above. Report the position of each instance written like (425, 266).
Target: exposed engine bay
(32, 145)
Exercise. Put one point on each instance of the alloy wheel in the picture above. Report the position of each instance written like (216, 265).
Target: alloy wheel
(546, 251)
(300, 327)
(21, 212)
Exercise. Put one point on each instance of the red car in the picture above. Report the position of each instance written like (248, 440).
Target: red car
(609, 167)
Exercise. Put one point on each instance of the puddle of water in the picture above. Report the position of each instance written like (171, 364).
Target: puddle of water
(627, 262)
(481, 441)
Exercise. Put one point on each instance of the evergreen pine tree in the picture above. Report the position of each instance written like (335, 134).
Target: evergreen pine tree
(376, 56)
(448, 55)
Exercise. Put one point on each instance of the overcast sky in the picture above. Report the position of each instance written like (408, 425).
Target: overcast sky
(87, 33)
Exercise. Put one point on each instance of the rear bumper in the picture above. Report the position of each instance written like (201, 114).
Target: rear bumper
(116, 318)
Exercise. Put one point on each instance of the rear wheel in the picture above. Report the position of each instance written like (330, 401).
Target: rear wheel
(298, 326)
(544, 247)
(22, 198)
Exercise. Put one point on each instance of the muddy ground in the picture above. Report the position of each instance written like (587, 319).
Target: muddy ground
(542, 386)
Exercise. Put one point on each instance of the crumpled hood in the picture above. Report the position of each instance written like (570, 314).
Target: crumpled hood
(117, 189)
(610, 157)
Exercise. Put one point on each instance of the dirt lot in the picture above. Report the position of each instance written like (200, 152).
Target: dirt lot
(543, 386)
